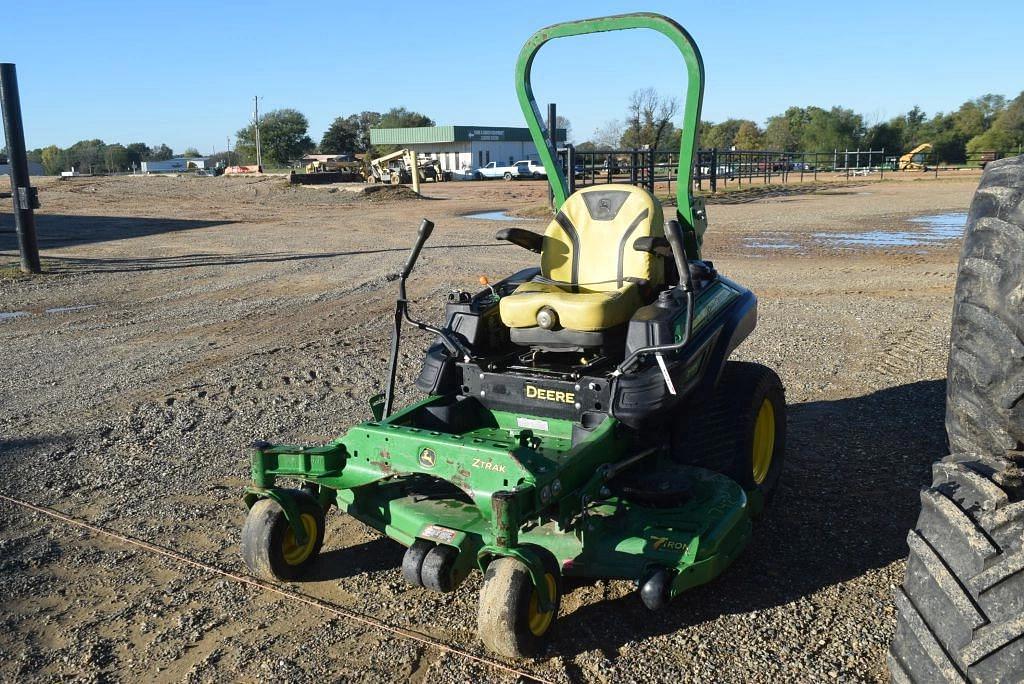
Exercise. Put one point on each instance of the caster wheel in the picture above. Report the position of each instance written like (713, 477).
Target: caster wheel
(269, 547)
(654, 591)
(510, 622)
(412, 561)
(437, 571)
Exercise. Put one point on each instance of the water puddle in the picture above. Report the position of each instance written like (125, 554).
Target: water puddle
(496, 216)
(9, 315)
(69, 309)
(776, 244)
(935, 229)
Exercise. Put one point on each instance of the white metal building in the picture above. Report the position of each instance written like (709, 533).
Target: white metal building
(463, 147)
(34, 168)
(176, 164)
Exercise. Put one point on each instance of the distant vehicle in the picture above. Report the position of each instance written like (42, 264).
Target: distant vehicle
(916, 159)
(528, 168)
(492, 170)
(465, 174)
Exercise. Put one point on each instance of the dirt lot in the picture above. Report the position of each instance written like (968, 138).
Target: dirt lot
(195, 315)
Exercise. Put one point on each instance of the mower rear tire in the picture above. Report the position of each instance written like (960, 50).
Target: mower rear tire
(741, 431)
(269, 546)
(510, 622)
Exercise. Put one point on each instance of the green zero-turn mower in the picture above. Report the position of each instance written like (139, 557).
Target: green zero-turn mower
(581, 418)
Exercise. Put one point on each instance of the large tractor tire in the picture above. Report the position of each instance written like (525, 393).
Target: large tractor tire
(960, 610)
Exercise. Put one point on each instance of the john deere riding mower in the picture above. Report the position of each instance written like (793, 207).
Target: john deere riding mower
(581, 417)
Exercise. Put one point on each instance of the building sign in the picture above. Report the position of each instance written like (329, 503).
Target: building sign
(484, 134)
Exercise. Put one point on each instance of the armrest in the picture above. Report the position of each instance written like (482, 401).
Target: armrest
(653, 245)
(526, 239)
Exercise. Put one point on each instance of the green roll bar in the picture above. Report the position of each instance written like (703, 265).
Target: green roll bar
(690, 216)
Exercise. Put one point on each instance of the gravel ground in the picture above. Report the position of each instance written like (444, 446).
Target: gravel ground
(218, 311)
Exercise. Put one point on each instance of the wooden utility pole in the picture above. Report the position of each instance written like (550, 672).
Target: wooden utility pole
(25, 197)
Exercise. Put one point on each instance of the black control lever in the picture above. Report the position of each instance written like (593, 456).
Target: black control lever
(426, 228)
(674, 235)
(402, 312)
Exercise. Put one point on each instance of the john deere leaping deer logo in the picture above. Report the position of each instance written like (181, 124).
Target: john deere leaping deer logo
(428, 458)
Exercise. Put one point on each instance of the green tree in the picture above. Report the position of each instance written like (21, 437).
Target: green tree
(191, 152)
(396, 117)
(749, 136)
(885, 136)
(1006, 133)
(341, 136)
(138, 153)
(400, 117)
(832, 129)
(784, 132)
(52, 159)
(161, 152)
(283, 135)
(723, 135)
(86, 155)
(115, 158)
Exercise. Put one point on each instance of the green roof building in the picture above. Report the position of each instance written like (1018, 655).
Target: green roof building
(463, 147)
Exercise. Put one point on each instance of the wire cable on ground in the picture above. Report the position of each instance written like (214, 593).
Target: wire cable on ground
(286, 593)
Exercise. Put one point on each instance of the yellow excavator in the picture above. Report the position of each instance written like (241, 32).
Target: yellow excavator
(916, 159)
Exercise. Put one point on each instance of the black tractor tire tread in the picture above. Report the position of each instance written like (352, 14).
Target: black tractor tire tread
(960, 610)
(985, 388)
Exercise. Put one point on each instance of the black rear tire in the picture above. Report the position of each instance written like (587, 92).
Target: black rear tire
(960, 610)
(985, 387)
(719, 433)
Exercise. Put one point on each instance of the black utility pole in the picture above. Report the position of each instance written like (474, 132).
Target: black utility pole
(25, 197)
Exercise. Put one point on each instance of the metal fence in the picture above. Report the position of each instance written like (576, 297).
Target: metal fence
(713, 168)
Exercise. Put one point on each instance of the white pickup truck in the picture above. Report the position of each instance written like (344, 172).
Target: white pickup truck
(521, 169)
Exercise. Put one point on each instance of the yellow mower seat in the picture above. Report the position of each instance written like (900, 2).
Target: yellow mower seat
(591, 276)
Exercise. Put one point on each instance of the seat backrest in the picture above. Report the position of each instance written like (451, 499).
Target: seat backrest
(590, 241)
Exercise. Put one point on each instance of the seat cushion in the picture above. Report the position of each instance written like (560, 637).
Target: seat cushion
(585, 309)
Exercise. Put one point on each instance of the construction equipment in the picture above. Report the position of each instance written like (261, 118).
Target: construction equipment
(581, 418)
(916, 159)
(397, 167)
(960, 609)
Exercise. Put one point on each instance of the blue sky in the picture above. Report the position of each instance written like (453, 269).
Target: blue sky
(185, 72)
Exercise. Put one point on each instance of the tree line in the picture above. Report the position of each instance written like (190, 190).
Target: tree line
(986, 123)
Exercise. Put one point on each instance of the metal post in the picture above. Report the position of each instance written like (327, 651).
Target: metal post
(552, 143)
(570, 160)
(650, 170)
(24, 195)
(256, 123)
(632, 166)
(714, 169)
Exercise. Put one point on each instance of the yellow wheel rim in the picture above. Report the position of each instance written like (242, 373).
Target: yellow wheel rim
(295, 553)
(764, 441)
(538, 621)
